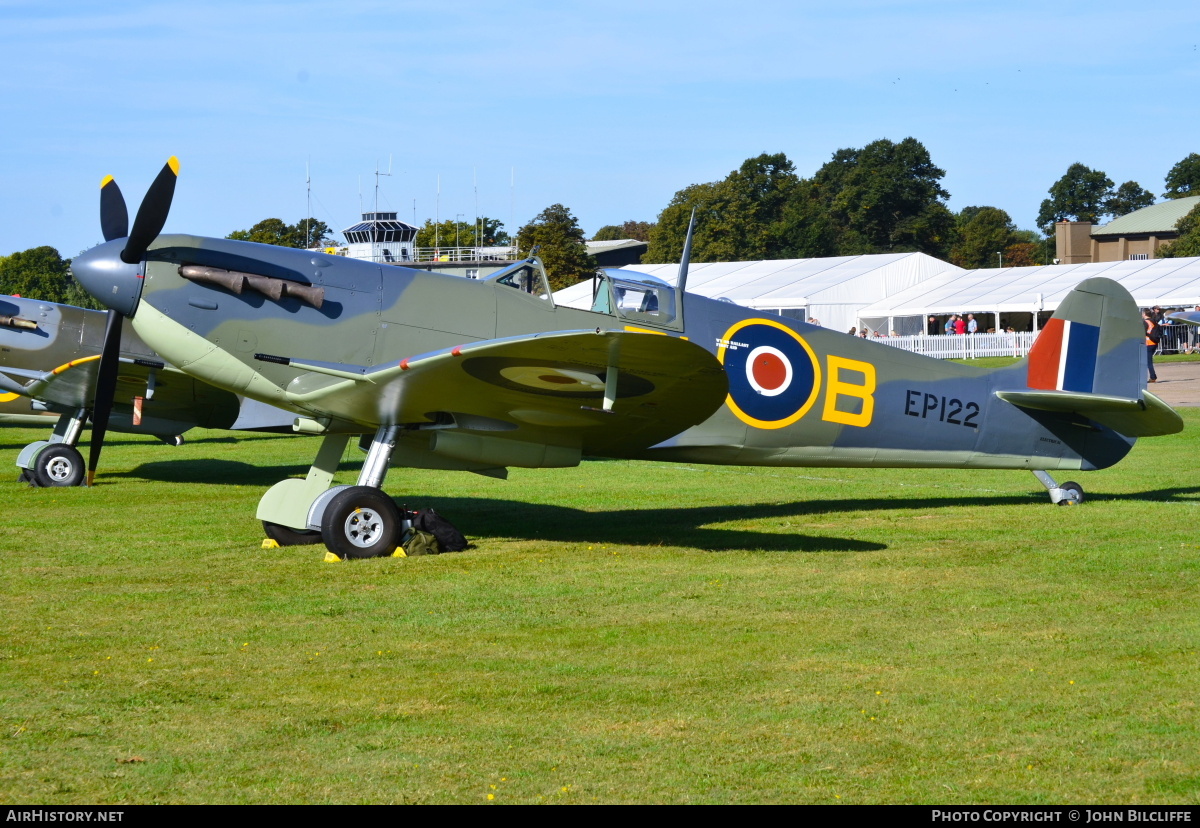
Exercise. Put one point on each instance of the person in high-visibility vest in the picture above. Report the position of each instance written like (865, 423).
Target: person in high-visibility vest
(1153, 336)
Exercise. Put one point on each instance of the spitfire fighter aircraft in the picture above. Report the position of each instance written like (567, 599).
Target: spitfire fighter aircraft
(438, 371)
(49, 356)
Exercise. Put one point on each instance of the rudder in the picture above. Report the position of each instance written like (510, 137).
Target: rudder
(1090, 360)
(1092, 345)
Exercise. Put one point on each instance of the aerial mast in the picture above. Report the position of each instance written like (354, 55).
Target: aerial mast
(375, 233)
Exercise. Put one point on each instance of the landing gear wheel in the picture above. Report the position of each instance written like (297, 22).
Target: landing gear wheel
(361, 522)
(1072, 494)
(57, 465)
(287, 536)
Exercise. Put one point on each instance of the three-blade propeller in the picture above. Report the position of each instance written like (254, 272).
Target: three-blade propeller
(114, 223)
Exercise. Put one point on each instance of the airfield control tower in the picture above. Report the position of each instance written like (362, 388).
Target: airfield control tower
(381, 237)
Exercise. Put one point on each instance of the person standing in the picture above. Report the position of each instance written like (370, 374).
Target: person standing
(960, 325)
(972, 325)
(1153, 336)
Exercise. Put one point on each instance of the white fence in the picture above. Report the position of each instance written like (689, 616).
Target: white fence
(401, 255)
(464, 254)
(967, 346)
(1176, 339)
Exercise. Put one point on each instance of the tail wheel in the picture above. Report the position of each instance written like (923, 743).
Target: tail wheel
(57, 465)
(361, 522)
(1072, 494)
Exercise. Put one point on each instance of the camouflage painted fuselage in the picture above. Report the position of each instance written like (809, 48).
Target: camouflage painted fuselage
(798, 395)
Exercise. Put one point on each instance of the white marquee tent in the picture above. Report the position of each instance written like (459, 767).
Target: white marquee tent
(1011, 295)
(832, 290)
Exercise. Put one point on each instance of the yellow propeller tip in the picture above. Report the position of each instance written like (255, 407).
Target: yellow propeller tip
(105, 182)
(173, 163)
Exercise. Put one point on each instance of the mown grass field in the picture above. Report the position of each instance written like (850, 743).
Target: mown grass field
(621, 632)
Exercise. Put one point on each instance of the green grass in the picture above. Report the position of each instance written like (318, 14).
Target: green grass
(621, 632)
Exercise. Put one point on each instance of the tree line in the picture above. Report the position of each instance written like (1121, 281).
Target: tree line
(882, 198)
(885, 197)
(41, 273)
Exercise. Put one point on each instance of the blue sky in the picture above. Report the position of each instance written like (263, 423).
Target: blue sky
(608, 107)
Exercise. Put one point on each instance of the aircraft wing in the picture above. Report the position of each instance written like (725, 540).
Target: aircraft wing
(544, 389)
(15, 410)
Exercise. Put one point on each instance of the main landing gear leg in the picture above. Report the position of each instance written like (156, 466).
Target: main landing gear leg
(56, 462)
(362, 521)
(1068, 494)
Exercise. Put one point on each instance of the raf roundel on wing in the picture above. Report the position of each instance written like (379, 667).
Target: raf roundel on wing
(773, 374)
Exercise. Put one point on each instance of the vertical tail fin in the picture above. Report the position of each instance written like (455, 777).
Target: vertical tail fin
(1094, 344)
(1090, 360)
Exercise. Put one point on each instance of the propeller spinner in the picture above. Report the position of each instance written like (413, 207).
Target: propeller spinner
(112, 272)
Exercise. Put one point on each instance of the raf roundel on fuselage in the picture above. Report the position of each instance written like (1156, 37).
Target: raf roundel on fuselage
(773, 374)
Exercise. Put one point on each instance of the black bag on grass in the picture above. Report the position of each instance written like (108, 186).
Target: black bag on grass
(449, 538)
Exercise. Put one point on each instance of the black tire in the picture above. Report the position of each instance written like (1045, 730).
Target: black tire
(361, 522)
(1073, 494)
(57, 465)
(287, 536)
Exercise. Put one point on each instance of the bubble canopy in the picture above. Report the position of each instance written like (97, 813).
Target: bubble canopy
(637, 297)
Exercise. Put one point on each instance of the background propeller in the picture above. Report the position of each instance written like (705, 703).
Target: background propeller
(114, 222)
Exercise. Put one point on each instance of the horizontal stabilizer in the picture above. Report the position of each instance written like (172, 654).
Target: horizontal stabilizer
(1145, 417)
(1187, 317)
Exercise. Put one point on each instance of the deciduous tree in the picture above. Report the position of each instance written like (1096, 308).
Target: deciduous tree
(445, 234)
(982, 233)
(41, 273)
(885, 197)
(308, 232)
(1184, 178)
(1022, 254)
(560, 239)
(667, 238)
(1188, 243)
(1128, 197)
(639, 230)
(745, 216)
(1082, 194)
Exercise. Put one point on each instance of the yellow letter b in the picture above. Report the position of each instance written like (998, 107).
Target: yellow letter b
(838, 387)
